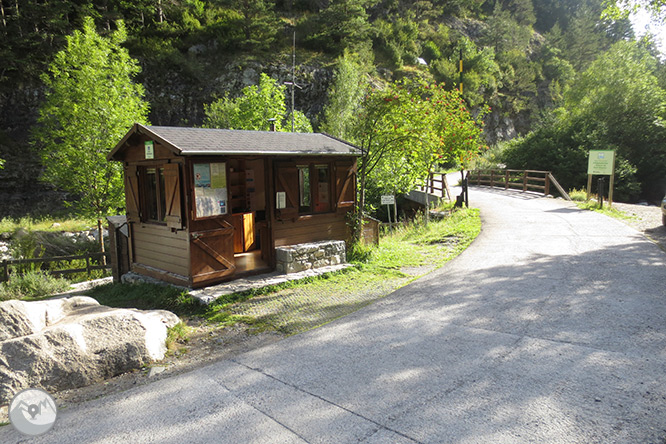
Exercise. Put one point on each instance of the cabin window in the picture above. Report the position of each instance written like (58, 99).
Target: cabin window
(304, 188)
(322, 190)
(314, 188)
(154, 194)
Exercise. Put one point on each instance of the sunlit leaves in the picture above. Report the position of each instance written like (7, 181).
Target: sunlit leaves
(253, 109)
(90, 104)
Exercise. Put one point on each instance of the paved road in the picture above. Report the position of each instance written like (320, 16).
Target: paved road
(550, 328)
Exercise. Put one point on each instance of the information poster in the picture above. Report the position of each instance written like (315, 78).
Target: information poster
(210, 189)
(601, 162)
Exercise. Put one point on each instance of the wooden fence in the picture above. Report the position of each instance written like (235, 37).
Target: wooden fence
(523, 180)
(90, 259)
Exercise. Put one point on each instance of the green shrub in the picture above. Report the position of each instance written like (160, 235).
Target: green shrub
(32, 284)
(578, 195)
(359, 253)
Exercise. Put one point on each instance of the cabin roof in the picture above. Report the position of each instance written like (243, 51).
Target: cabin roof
(211, 141)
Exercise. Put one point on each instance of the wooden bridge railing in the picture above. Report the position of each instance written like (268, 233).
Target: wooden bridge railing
(523, 180)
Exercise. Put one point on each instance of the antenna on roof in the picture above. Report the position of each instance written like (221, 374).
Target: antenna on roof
(293, 79)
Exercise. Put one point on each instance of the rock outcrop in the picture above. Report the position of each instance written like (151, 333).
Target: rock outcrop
(66, 343)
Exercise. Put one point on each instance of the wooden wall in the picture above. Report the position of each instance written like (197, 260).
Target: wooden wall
(318, 227)
(157, 246)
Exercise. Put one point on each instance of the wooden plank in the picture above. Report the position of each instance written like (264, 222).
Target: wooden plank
(160, 230)
(147, 257)
(172, 278)
(171, 267)
(167, 250)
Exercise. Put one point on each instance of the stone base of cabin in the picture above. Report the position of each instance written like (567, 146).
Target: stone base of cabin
(296, 258)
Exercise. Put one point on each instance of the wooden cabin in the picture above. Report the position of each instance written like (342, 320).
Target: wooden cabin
(208, 205)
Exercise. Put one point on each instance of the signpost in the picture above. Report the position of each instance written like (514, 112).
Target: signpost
(601, 163)
(388, 200)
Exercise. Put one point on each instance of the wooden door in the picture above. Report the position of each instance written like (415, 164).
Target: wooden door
(345, 186)
(212, 253)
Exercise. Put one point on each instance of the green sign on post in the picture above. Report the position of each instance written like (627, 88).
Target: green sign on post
(601, 162)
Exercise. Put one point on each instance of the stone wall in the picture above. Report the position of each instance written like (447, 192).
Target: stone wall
(295, 258)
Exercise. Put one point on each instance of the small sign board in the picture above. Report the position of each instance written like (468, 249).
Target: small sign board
(601, 162)
(388, 200)
(150, 149)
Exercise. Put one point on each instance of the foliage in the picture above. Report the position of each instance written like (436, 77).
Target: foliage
(520, 56)
(90, 104)
(344, 96)
(9, 225)
(578, 195)
(253, 109)
(621, 8)
(617, 103)
(408, 127)
(32, 284)
(340, 24)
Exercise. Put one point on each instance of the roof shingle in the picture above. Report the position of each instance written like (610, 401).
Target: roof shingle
(211, 141)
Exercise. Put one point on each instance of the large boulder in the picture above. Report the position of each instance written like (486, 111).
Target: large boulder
(71, 342)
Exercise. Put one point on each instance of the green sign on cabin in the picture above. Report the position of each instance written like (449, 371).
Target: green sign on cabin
(601, 162)
(150, 150)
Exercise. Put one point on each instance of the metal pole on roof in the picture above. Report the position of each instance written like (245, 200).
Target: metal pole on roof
(293, 80)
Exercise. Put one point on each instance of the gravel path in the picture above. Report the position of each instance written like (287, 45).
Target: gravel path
(646, 219)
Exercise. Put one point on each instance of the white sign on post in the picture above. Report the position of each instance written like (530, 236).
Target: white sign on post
(388, 200)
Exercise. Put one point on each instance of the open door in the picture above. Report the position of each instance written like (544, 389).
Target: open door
(212, 253)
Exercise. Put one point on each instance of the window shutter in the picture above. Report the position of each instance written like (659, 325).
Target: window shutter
(132, 194)
(174, 211)
(286, 180)
(345, 186)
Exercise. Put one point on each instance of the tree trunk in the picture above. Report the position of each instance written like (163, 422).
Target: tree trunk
(358, 229)
(100, 232)
(160, 13)
(4, 21)
(18, 18)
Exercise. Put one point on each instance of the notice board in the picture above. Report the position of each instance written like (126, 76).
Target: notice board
(601, 162)
(210, 189)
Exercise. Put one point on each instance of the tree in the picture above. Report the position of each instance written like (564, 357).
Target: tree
(340, 24)
(621, 8)
(617, 103)
(406, 128)
(450, 134)
(253, 109)
(91, 102)
(344, 96)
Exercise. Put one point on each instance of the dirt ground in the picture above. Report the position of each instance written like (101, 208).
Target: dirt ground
(209, 343)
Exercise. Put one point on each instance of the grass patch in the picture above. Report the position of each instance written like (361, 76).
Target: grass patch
(9, 224)
(147, 297)
(292, 307)
(608, 211)
(418, 244)
(177, 335)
